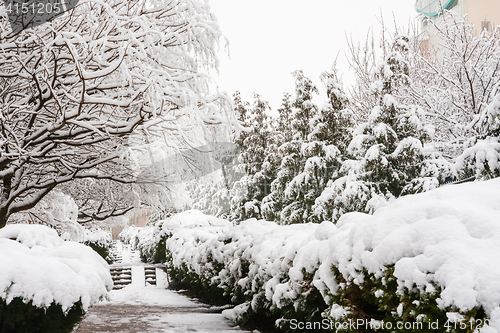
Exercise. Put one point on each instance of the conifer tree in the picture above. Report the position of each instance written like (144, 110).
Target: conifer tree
(290, 154)
(251, 188)
(323, 152)
(283, 124)
(388, 154)
(281, 132)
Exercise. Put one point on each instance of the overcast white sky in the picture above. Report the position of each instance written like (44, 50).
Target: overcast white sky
(269, 39)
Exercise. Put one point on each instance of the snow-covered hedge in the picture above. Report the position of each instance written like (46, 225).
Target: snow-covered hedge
(146, 240)
(129, 235)
(40, 268)
(99, 240)
(99, 237)
(430, 258)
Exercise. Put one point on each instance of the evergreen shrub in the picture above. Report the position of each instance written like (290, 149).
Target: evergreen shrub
(20, 317)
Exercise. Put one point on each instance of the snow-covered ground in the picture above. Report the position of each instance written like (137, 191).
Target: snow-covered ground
(129, 256)
(155, 309)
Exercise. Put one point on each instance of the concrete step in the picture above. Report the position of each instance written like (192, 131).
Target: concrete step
(150, 275)
(121, 276)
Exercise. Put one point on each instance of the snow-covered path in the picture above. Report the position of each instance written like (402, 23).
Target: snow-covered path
(139, 308)
(153, 309)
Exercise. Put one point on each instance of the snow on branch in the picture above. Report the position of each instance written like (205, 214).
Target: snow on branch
(75, 89)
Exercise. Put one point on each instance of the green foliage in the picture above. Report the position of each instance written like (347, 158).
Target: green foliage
(160, 253)
(153, 252)
(254, 146)
(382, 299)
(102, 250)
(19, 317)
(308, 307)
(199, 286)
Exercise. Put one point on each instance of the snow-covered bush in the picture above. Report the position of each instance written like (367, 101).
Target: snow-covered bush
(41, 270)
(194, 228)
(100, 241)
(60, 212)
(129, 235)
(426, 258)
(147, 240)
(97, 236)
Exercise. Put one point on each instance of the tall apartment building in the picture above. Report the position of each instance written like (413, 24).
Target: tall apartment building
(484, 14)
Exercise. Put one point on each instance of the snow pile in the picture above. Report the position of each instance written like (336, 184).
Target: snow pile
(38, 266)
(440, 246)
(449, 236)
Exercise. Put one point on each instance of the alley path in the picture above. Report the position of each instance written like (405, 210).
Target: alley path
(153, 309)
(142, 309)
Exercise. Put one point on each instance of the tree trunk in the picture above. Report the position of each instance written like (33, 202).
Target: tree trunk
(3, 217)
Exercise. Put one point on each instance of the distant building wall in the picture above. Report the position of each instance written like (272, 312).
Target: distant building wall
(481, 11)
(484, 14)
(140, 219)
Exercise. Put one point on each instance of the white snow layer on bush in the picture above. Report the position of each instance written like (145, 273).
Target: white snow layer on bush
(37, 265)
(449, 236)
(144, 239)
(97, 236)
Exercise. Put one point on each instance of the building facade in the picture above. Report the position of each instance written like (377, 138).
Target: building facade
(139, 218)
(484, 14)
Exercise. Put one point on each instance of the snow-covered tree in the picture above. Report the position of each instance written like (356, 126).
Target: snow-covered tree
(324, 151)
(247, 192)
(456, 86)
(57, 210)
(283, 124)
(388, 154)
(75, 88)
(280, 200)
(99, 199)
(482, 153)
(211, 195)
(452, 84)
(281, 132)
